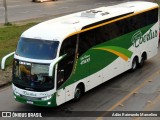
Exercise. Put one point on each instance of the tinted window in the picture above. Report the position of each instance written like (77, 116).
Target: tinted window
(107, 32)
(37, 49)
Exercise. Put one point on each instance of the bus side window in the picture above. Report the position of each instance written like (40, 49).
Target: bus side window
(65, 66)
(86, 41)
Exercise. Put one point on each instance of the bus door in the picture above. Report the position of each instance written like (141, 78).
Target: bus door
(65, 68)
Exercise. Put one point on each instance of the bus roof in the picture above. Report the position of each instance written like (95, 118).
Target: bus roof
(60, 28)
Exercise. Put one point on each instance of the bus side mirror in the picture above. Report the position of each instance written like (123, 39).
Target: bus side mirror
(53, 63)
(3, 62)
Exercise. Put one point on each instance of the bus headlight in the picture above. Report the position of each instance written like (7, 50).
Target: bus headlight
(16, 93)
(47, 98)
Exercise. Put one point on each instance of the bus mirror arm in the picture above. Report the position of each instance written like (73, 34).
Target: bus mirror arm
(3, 62)
(53, 63)
(51, 67)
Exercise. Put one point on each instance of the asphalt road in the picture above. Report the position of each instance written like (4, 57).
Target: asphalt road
(137, 91)
(25, 9)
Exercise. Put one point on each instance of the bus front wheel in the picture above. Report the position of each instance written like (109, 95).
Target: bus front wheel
(78, 92)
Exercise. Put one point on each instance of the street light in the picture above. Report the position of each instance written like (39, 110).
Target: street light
(5, 9)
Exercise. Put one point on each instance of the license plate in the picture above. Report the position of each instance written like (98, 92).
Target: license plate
(29, 102)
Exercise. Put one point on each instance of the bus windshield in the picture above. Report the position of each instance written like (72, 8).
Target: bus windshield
(37, 49)
(32, 76)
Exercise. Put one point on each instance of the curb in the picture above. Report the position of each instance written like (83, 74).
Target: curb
(5, 84)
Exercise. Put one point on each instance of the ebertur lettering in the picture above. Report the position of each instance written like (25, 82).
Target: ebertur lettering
(139, 39)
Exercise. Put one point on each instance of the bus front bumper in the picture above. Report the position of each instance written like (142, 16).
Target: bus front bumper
(48, 103)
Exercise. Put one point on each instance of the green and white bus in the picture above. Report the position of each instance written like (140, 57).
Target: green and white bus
(60, 59)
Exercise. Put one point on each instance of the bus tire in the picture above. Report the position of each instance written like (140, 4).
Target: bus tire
(134, 64)
(141, 63)
(78, 92)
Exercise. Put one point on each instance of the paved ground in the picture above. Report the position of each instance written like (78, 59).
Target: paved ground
(5, 77)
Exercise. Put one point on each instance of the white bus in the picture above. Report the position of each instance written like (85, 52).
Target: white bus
(60, 59)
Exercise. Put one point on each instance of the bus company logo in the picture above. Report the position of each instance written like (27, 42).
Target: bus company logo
(29, 94)
(138, 38)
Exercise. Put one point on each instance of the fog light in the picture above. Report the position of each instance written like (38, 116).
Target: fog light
(49, 103)
(14, 97)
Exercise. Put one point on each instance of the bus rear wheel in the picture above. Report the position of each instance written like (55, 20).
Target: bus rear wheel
(134, 64)
(141, 63)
